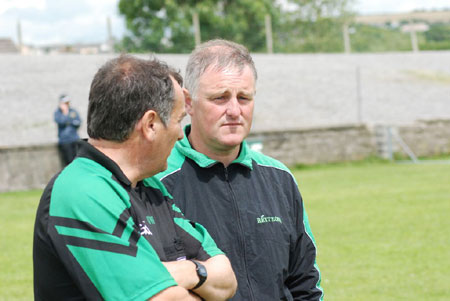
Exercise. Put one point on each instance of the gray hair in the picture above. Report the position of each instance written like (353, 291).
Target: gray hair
(220, 54)
(122, 90)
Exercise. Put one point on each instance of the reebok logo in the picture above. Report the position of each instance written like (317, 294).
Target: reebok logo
(144, 229)
(268, 219)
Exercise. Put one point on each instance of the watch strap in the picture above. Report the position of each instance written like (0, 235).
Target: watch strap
(201, 273)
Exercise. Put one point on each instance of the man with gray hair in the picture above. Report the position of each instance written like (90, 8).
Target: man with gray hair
(249, 202)
(101, 232)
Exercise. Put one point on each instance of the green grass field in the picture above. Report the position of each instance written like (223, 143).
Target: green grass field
(382, 231)
(17, 212)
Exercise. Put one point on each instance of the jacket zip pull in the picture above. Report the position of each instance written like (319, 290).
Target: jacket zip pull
(225, 170)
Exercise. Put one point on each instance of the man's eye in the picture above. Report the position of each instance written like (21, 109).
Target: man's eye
(244, 98)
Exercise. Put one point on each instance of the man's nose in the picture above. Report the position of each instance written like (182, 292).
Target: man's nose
(233, 107)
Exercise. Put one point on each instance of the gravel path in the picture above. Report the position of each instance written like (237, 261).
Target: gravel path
(293, 91)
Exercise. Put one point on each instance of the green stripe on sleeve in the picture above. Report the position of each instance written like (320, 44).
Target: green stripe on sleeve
(104, 237)
(311, 236)
(110, 272)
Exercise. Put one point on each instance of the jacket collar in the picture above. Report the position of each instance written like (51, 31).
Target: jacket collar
(86, 150)
(185, 148)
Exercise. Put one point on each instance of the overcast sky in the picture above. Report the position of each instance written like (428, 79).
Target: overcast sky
(84, 21)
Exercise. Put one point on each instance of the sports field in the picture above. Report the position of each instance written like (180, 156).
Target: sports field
(382, 231)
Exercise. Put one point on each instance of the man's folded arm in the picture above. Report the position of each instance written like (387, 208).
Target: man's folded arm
(175, 293)
(220, 283)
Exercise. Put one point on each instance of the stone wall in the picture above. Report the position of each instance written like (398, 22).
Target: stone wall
(23, 168)
(424, 138)
(320, 145)
(28, 167)
(427, 138)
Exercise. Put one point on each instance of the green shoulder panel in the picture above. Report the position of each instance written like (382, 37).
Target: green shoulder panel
(264, 160)
(86, 193)
(84, 190)
(184, 149)
(155, 183)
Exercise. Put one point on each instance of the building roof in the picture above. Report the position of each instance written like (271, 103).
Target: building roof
(7, 46)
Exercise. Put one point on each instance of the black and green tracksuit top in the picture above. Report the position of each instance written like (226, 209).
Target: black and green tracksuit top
(254, 212)
(97, 238)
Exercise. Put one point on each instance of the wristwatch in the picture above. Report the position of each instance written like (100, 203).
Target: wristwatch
(201, 273)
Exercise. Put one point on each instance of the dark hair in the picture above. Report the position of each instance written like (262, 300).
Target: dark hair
(220, 54)
(122, 90)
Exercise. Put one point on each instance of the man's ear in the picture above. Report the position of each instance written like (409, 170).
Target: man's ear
(188, 102)
(149, 124)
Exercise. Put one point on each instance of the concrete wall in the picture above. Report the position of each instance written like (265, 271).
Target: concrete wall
(320, 145)
(31, 167)
(23, 168)
(427, 138)
(421, 139)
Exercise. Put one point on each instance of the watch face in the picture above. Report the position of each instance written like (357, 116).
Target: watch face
(202, 271)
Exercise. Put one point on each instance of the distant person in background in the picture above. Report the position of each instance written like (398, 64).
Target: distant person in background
(68, 121)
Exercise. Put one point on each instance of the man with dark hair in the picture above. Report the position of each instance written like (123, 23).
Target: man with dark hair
(68, 121)
(249, 202)
(101, 233)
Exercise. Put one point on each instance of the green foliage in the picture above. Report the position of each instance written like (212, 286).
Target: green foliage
(433, 45)
(313, 26)
(242, 21)
(156, 26)
(367, 38)
(437, 37)
(324, 35)
(166, 26)
(438, 32)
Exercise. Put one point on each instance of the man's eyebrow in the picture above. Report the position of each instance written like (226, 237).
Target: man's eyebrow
(249, 93)
(217, 91)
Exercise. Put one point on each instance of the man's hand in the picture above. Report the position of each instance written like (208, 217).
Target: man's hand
(183, 271)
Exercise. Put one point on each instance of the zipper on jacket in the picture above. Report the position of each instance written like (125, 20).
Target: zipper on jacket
(240, 235)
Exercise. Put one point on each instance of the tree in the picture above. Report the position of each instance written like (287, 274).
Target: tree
(166, 25)
(438, 32)
(370, 38)
(154, 25)
(313, 25)
(437, 37)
